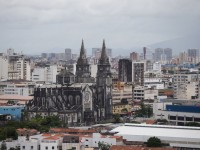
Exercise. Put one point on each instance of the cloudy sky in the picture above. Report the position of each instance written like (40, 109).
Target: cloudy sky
(35, 26)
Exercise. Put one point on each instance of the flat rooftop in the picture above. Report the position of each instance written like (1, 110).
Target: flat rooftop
(158, 131)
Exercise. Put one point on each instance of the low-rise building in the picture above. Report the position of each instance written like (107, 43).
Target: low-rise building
(121, 90)
(175, 136)
(122, 108)
(15, 111)
(17, 87)
(176, 114)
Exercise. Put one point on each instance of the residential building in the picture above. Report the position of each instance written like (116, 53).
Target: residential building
(193, 55)
(92, 141)
(122, 108)
(19, 67)
(125, 70)
(134, 56)
(157, 66)
(163, 55)
(138, 93)
(4, 67)
(121, 91)
(186, 86)
(47, 141)
(46, 74)
(51, 143)
(68, 54)
(168, 54)
(148, 54)
(138, 69)
(15, 99)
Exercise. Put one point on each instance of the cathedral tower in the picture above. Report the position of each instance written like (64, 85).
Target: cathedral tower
(83, 72)
(104, 85)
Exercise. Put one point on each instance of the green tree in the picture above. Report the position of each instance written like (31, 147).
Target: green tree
(116, 118)
(144, 111)
(124, 110)
(154, 142)
(11, 102)
(103, 146)
(193, 124)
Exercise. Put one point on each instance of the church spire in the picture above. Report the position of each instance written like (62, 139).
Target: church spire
(82, 58)
(82, 52)
(104, 58)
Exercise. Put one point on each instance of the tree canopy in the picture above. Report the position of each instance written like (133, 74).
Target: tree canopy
(154, 142)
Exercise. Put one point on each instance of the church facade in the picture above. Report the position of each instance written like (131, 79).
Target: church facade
(77, 99)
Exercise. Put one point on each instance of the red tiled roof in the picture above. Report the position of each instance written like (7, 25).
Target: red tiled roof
(52, 138)
(150, 121)
(70, 130)
(117, 147)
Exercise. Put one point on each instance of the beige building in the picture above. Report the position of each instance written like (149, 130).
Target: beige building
(186, 86)
(121, 91)
(19, 67)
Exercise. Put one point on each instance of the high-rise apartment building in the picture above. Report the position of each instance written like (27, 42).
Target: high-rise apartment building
(158, 54)
(19, 67)
(3, 67)
(134, 56)
(168, 54)
(68, 54)
(45, 74)
(164, 55)
(125, 70)
(148, 54)
(138, 69)
(193, 55)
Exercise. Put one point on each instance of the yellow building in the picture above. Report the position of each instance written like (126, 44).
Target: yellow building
(121, 108)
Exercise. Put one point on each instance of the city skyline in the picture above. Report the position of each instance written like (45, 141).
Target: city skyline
(36, 27)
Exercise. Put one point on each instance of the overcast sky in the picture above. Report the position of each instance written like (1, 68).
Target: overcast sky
(35, 26)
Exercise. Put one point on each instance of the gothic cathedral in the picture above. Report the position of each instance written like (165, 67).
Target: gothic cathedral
(77, 99)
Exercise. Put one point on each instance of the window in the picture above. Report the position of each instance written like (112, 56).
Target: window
(172, 117)
(180, 118)
(188, 118)
(197, 119)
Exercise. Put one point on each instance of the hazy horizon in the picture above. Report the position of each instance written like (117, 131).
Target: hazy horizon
(41, 26)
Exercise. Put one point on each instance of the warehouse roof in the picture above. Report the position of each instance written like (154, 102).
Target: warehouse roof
(158, 131)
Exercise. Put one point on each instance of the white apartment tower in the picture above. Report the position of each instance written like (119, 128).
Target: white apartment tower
(3, 67)
(19, 67)
(46, 74)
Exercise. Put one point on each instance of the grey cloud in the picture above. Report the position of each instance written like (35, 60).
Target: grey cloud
(124, 23)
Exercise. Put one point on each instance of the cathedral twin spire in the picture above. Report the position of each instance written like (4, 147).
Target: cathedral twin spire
(103, 59)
